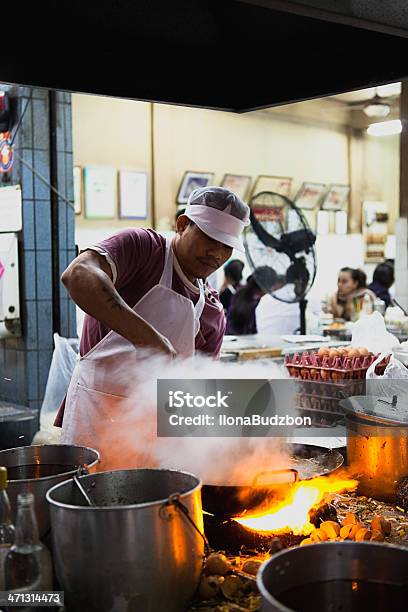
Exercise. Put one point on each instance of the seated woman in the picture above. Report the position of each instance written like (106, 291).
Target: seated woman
(347, 302)
(383, 279)
(233, 277)
(241, 312)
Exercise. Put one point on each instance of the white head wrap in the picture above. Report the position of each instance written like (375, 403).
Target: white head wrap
(220, 214)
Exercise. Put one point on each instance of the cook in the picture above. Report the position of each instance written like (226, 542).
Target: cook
(140, 290)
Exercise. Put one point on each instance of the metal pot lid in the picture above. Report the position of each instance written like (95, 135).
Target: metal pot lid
(386, 410)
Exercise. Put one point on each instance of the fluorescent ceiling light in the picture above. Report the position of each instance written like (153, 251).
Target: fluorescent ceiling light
(385, 128)
(377, 109)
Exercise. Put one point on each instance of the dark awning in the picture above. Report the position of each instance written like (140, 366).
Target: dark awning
(225, 54)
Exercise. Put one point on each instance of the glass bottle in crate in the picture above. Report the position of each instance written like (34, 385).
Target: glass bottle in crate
(6, 525)
(28, 564)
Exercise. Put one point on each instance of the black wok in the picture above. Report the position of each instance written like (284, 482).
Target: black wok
(307, 461)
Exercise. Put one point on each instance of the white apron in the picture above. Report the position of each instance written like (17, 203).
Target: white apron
(98, 403)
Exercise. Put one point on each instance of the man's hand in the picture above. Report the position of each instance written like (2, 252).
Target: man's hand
(157, 342)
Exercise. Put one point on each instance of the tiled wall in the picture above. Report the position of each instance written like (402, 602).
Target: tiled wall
(24, 362)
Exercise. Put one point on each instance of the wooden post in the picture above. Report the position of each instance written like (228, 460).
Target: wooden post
(404, 150)
(152, 170)
(401, 225)
(356, 178)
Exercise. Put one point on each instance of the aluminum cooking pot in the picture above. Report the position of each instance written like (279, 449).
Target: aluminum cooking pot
(36, 469)
(336, 576)
(377, 444)
(135, 550)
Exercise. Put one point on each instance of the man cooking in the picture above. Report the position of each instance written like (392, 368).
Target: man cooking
(140, 290)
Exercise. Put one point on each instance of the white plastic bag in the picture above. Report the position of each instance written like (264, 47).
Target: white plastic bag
(63, 363)
(394, 381)
(370, 332)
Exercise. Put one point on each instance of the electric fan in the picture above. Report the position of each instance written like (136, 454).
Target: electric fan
(280, 238)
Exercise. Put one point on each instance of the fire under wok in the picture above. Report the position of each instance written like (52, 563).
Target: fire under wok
(305, 461)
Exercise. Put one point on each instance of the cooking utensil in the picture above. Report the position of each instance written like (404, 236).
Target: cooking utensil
(36, 469)
(307, 460)
(377, 444)
(138, 547)
(349, 576)
(83, 492)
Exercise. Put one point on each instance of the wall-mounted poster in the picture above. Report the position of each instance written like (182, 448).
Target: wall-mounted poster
(100, 193)
(238, 184)
(309, 195)
(133, 194)
(77, 190)
(275, 184)
(336, 198)
(191, 181)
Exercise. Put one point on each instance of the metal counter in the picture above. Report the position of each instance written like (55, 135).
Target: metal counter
(233, 345)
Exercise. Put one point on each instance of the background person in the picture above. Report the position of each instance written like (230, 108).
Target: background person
(241, 312)
(232, 281)
(347, 302)
(274, 317)
(383, 279)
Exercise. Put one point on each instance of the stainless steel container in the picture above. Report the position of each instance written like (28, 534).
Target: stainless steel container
(60, 457)
(133, 551)
(377, 444)
(336, 576)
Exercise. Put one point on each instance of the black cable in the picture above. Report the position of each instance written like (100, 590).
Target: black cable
(44, 180)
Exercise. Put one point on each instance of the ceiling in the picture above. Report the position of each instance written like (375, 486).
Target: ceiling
(227, 54)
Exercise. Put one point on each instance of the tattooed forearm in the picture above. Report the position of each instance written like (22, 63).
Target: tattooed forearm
(112, 299)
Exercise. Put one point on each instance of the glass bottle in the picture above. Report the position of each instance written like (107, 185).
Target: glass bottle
(6, 526)
(379, 306)
(367, 305)
(28, 564)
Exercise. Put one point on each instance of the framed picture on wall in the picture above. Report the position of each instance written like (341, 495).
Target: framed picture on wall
(237, 183)
(77, 190)
(309, 195)
(100, 192)
(133, 194)
(336, 198)
(193, 180)
(275, 184)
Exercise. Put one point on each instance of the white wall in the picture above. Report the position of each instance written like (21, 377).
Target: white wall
(109, 132)
(381, 172)
(117, 133)
(254, 143)
(114, 132)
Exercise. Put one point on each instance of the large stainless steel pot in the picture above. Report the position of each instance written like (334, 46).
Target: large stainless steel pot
(377, 444)
(61, 457)
(336, 576)
(133, 551)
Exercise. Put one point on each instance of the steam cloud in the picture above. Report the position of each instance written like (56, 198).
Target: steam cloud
(131, 432)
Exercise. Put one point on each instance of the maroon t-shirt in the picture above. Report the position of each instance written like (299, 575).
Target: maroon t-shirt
(136, 257)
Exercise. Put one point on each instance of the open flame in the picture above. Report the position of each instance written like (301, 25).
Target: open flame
(292, 514)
